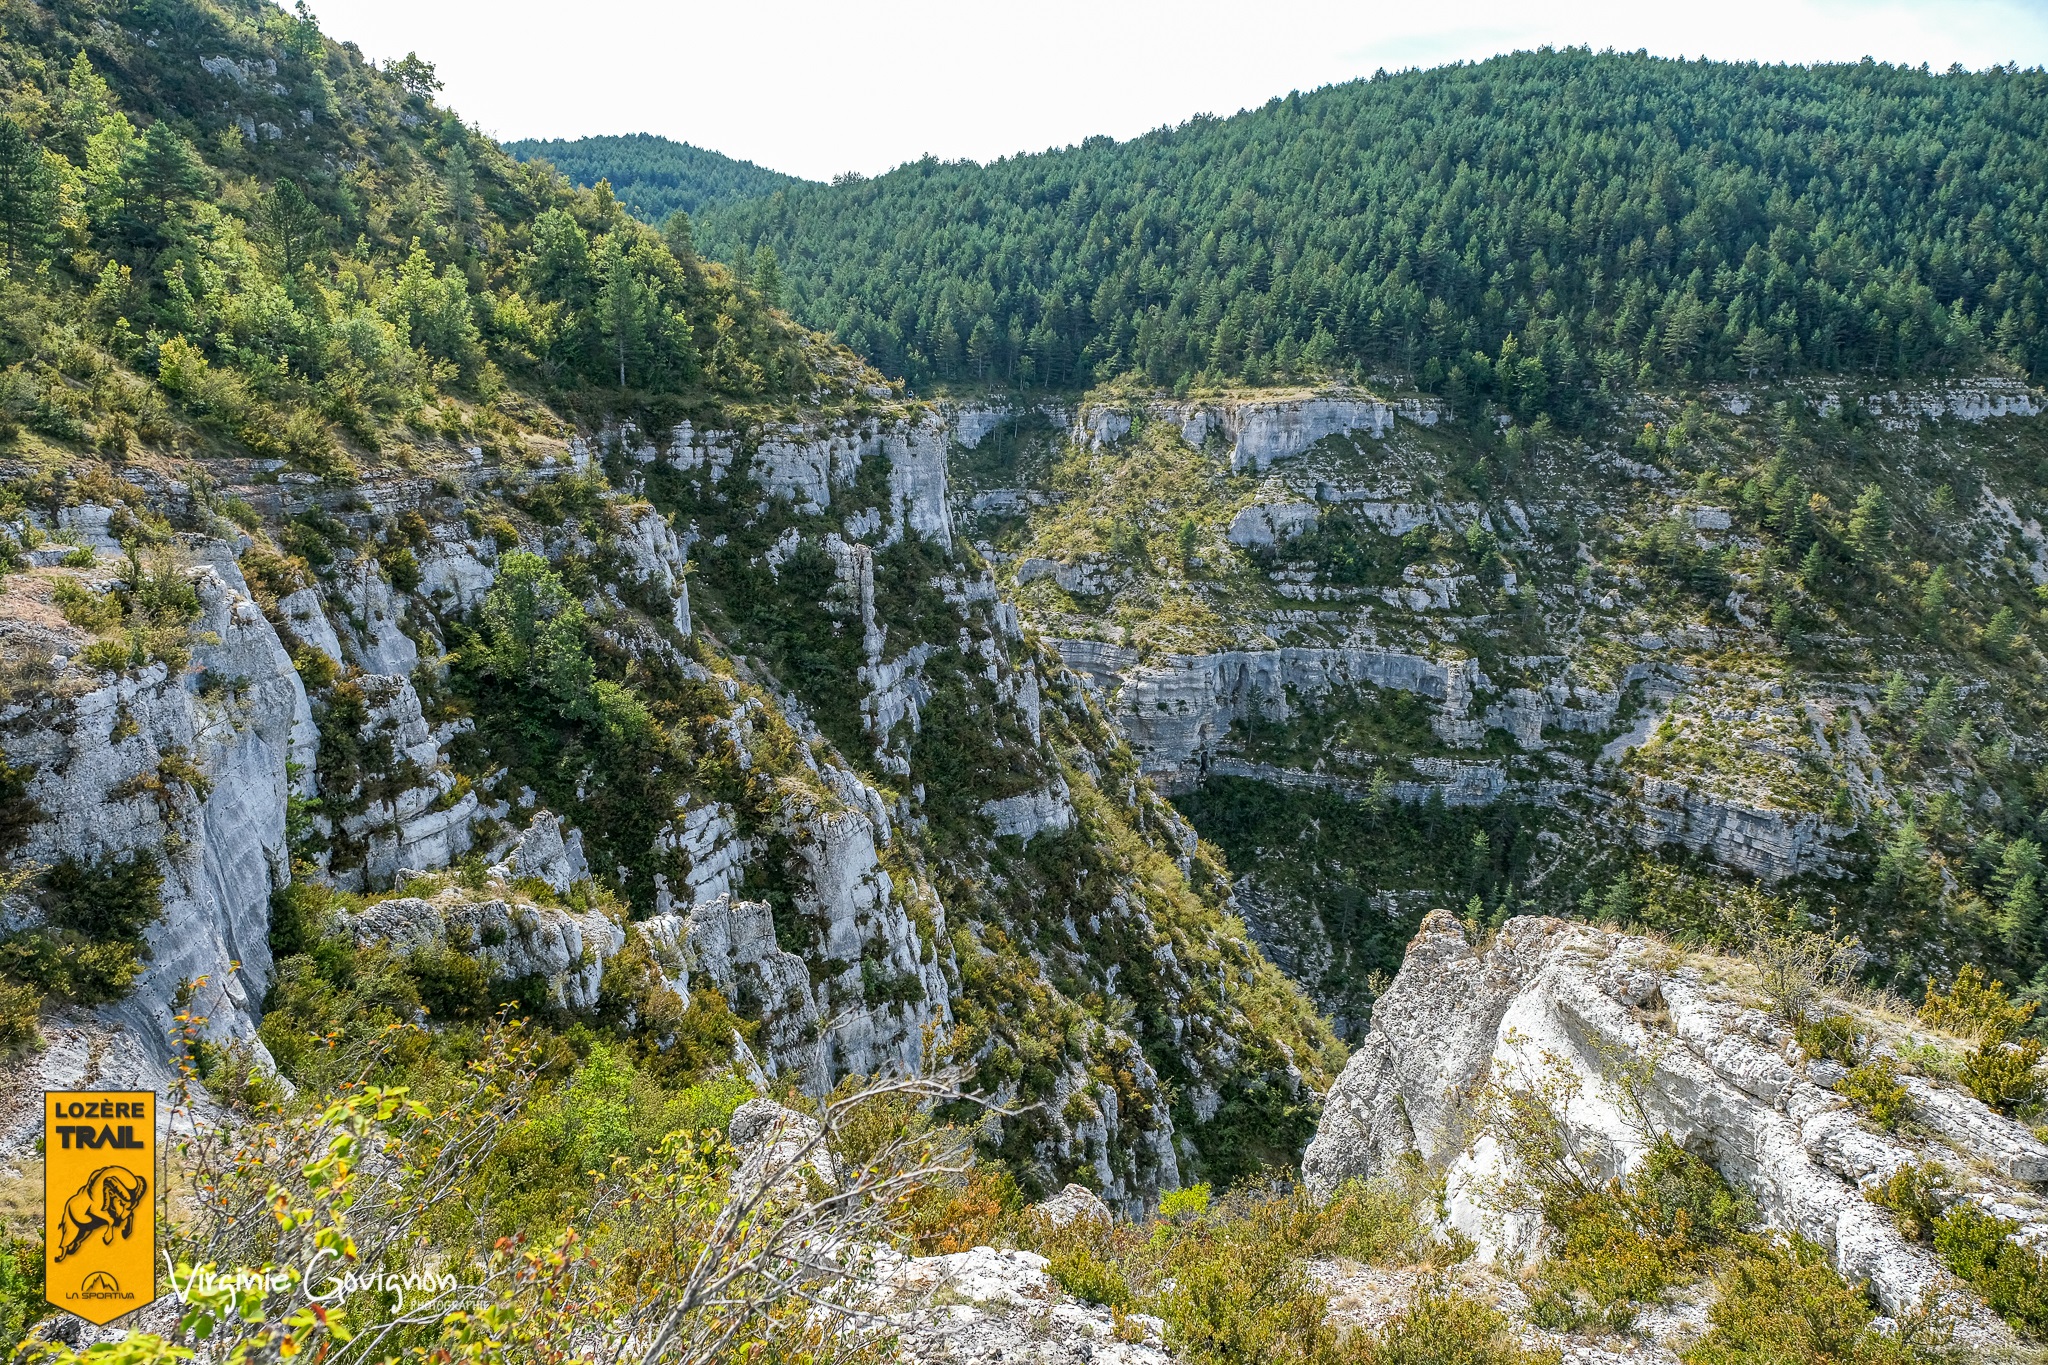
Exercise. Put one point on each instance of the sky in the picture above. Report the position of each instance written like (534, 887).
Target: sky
(817, 87)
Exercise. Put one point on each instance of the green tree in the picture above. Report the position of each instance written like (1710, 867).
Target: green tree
(768, 277)
(622, 305)
(28, 195)
(415, 76)
(159, 179)
(1870, 524)
(292, 226)
(458, 177)
(2001, 633)
(1934, 599)
(676, 232)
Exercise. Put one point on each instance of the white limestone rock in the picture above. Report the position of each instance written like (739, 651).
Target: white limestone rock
(1547, 993)
(1075, 1203)
(307, 620)
(546, 854)
(567, 949)
(655, 557)
(1264, 525)
(103, 796)
(1050, 809)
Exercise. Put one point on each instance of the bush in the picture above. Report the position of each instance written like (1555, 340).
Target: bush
(85, 608)
(1832, 1037)
(1189, 1202)
(1442, 1327)
(1079, 1271)
(1783, 1304)
(2003, 1070)
(1874, 1088)
(1917, 1195)
(105, 656)
(1980, 1248)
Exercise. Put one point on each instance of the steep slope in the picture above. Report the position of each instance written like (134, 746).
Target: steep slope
(1389, 660)
(653, 176)
(1607, 1046)
(368, 670)
(1541, 228)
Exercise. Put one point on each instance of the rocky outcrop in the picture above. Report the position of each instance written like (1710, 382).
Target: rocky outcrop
(1547, 999)
(1075, 1203)
(1177, 711)
(803, 465)
(1265, 525)
(1767, 843)
(194, 766)
(655, 559)
(1000, 1307)
(563, 949)
(1032, 813)
(1262, 430)
(424, 825)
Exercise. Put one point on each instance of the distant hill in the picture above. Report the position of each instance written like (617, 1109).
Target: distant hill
(654, 176)
(1526, 231)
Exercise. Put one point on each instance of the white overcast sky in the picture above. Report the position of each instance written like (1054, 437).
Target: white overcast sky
(814, 87)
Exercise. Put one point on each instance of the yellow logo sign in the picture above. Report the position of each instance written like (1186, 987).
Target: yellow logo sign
(99, 1201)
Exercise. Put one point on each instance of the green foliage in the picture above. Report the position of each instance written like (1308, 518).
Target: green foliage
(1338, 854)
(1781, 1303)
(90, 947)
(1443, 1327)
(2011, 1276)
(21, 1290)
(1190, 1201)
(1834, 1037)
(653, 176)
(1525, 230)
(2003, 1070)
(1873, 1087)
(1917, 1194)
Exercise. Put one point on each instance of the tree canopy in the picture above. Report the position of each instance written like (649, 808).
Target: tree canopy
(1534, 228)
(653, 176)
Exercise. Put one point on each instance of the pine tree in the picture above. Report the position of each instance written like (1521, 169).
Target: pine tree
(768, 277)
(159, 178)
(459, 177)
(621, 305)
(28, 196)
(1870, 524)
(292, 226)
(682, 242)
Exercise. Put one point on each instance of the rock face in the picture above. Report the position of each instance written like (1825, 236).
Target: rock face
(1548, 998)
(565, 950)
(1261, 430)
(995, 1307)
(1176, 711)
(801, 464)
(123, 765)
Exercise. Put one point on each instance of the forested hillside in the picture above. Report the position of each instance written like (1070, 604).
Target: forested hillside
(653, 176)
(1538, 229)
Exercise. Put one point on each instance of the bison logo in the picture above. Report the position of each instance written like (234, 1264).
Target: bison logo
(107, 1201)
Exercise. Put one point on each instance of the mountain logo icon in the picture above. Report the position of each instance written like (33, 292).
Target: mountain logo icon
(100, 1284)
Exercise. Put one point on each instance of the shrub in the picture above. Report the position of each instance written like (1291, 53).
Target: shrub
(1088, 1277)
(20, 1006)
(1783, 1304)
(1874, 1088)
(2003, 1069)
(105, 656)
(2012, 1278)
(1917, 1195)
(85, 608)
(1442, 1327)
(1190, 1202)
(1832, 1037)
